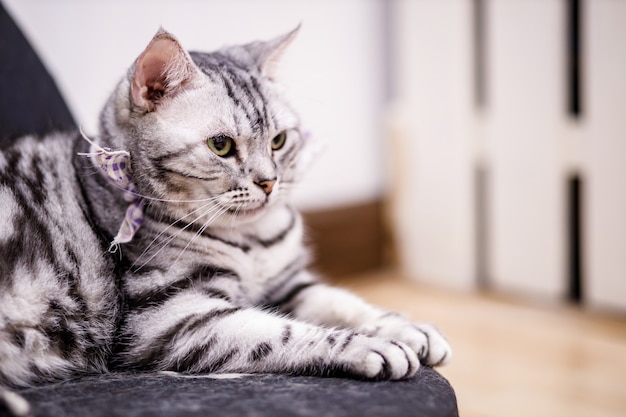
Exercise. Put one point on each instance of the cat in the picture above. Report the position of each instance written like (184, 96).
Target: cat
(168, 242)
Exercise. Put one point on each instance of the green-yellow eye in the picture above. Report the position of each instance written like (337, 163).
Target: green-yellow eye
(221, 145)
(279, 141)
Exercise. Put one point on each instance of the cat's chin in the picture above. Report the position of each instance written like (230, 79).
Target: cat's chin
(249, 214)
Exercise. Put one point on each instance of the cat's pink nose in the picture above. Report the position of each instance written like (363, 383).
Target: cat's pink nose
(267, 185)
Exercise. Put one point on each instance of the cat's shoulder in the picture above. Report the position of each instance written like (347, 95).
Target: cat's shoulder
(37, 156)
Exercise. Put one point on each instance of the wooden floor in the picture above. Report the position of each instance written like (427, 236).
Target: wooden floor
(516, 359)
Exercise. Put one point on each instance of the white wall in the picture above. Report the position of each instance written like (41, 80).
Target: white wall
(334, 70)
(434, 134)
(604, 160)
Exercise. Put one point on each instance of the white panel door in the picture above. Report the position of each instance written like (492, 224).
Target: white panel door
(605, 157)
(525, 118)
(434, 141)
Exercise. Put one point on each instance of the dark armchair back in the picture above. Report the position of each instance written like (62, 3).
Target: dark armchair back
(30, 101)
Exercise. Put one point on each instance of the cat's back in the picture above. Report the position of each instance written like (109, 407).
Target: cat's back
(29, 165)
(57, 290)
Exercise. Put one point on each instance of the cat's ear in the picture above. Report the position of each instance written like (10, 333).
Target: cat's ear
(269, 54)
(162, 70)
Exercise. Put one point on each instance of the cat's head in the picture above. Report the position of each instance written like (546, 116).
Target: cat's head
(211, 132)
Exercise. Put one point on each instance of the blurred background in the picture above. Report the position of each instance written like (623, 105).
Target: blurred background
(473, 161)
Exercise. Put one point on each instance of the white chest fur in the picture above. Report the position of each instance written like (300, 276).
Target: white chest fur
(274, 251)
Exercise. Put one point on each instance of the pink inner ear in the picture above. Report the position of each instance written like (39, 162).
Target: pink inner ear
(157, 72)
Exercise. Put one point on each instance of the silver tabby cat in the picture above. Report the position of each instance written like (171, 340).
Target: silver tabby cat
(215, 279)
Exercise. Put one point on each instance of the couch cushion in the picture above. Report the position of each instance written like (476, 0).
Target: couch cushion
(133, 395)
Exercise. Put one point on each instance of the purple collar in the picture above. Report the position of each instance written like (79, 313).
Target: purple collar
(115, 166)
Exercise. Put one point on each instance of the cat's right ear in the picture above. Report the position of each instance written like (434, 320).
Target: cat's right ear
(269, 54)
(162, 70)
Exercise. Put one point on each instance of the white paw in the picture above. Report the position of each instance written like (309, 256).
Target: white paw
(378, 358)
(425, 340)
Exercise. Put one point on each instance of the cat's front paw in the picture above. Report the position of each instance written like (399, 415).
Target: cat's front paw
(424, 339)
(378, 358)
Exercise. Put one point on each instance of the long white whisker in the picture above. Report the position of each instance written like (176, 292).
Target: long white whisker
(174, 236)
(235, 214)
(169, 227)
(201, 231)
(216, 215)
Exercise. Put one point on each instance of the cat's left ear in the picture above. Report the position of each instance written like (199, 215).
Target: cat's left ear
(162, 70)
(269, 53)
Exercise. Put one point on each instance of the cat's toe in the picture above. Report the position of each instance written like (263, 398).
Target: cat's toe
(380, 359)
(416, 339)
(411, 358)
(438, 351)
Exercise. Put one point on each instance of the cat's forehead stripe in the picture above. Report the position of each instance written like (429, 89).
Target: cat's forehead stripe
(242, 87)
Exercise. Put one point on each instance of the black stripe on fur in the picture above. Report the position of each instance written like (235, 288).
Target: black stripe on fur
(201, 275)
(160, 354)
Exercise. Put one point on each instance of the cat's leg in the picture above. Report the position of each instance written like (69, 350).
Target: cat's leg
(314, 302)
(194, 333)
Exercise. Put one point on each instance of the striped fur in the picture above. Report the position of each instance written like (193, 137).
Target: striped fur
(216, 278)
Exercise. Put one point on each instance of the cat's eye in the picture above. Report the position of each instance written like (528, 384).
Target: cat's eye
(221, 145)
(279, 141)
